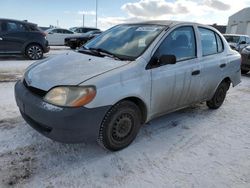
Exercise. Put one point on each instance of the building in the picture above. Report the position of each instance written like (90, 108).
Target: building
(239, 23)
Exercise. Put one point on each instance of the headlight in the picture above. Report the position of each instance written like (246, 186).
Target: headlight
(70, 96)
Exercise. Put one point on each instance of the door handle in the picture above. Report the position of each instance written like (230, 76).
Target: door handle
(196, 72)
(222, 65)
(1, 38)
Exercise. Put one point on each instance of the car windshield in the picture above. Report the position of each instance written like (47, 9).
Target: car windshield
(126, 41)
(232, 39)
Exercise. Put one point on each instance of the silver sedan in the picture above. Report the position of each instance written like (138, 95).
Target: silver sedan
(124, 78)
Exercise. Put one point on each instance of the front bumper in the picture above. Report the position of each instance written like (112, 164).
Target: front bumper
(70, 42)
(68, 125)
(46, 47)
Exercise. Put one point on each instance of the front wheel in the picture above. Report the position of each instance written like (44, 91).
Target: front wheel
(34, 52)
(120, 126)
(219, 96)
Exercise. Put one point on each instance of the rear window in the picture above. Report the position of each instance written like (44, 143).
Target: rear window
(11, 26)
(211, 42)
(220, 46)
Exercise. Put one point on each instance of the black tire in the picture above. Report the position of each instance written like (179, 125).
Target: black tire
(120, 126)
(219, 96)
(244, 71)
(34, 52)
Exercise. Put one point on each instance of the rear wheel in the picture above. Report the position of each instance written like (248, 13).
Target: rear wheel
(244, 71)
(120, 126)
(34, 52)
(219, 96)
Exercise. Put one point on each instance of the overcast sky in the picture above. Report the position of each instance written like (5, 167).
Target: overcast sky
(110, 12)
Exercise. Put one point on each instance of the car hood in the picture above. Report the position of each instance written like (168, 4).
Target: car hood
(68, 69)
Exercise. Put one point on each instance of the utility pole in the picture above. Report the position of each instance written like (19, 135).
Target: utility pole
(83, 19)
(57, 23)
(96, 9)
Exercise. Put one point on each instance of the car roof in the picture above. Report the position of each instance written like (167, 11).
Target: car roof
(171, 23)
(237, 35)
(166, 22)
(21, 21)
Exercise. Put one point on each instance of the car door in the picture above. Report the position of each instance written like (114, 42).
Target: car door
(13, 36)
(51, 37)
(213, 61)
(175, 85)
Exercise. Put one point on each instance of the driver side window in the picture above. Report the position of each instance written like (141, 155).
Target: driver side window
(181, 43)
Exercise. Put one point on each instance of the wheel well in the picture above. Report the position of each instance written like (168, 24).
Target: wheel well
(33, 44)
(228, 81)
(141, 105)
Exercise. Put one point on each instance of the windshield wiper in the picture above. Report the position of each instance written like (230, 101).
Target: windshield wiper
(106, 53)
(89, 52)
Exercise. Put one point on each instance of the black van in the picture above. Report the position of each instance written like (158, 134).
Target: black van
(21, 37)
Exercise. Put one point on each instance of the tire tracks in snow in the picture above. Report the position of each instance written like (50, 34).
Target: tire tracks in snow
(10, 123)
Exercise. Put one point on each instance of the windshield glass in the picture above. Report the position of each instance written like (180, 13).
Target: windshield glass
(232, 39)
(126, 41)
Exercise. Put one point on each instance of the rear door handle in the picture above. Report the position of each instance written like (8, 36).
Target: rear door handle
(196, 72)
(222, 65)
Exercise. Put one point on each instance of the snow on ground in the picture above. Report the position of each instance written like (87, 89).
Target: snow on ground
(194, 147)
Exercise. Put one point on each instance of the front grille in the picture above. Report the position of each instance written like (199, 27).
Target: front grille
(34, 90)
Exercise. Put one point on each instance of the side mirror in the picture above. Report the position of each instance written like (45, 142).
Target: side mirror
(167, 59)
(163, 60)
(243, 42)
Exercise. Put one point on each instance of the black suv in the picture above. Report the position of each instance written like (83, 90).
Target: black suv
(21, 37)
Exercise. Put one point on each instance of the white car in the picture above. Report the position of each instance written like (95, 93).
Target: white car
(56, 36)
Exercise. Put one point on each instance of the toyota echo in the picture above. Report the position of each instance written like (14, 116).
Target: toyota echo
(124, 78)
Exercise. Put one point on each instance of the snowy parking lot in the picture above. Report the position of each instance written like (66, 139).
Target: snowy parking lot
(193, 147)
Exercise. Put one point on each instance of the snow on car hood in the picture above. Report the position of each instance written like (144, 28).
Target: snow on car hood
(68, 69)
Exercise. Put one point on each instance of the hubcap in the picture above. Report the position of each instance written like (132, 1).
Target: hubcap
(122, 127)
(35, 52)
